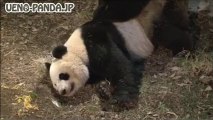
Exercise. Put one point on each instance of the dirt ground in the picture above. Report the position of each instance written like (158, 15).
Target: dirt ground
(173, 88)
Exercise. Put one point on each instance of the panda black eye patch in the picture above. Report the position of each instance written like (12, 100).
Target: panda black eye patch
(59, 51)
(64, 76)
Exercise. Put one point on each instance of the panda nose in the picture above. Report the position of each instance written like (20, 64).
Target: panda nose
(63, 92)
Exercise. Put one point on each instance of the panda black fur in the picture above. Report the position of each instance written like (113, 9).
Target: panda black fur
(117, 11)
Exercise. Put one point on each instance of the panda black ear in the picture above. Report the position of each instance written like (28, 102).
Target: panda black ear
(47, 66)
(59, 51)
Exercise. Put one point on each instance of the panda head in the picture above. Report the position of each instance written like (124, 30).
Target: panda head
(67, 72)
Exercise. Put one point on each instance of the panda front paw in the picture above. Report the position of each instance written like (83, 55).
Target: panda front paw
(125, 102)
(118, 104)
(104, 90)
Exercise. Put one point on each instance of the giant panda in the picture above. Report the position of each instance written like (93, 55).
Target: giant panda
(99, 50)
(113, 47)
(165, 22)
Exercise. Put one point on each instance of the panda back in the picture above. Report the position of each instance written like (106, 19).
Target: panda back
(136, 41)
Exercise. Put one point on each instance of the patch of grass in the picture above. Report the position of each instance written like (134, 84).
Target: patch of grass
(196, 102)
(200, 64)
(33, 95)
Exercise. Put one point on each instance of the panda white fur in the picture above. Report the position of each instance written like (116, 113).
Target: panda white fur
(136, 40)
(108, 47)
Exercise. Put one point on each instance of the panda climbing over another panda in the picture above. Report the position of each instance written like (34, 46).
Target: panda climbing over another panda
(113, 46)
(165, 22)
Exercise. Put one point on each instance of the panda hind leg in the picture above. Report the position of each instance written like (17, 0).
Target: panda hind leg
(173, 37)
(177, 28)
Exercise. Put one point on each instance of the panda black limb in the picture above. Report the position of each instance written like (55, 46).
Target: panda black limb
(109, 59)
